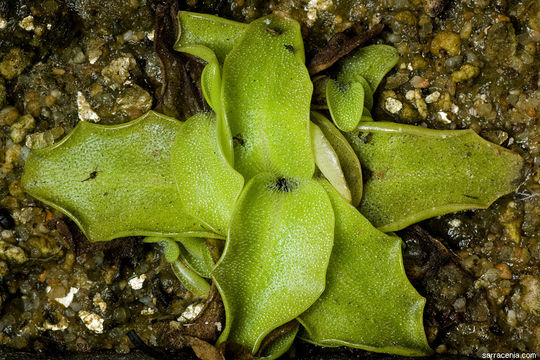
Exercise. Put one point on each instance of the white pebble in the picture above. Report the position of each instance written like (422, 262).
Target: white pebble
(393, 105)
(92, 321)
(86, 113)
(137, 282)
(433, 97)
(66, 300)
(27, 23)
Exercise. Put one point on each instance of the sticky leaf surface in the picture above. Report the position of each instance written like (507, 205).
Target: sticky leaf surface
(345, 103)
(266, 98)
(274, 263)
(207, 185)
(368, 302)
(114, 181)
(416, 173)
(371, 62)
(215, 33)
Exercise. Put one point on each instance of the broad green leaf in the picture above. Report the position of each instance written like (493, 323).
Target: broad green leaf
(368, 302)
(327, 161)
(347, 158)
(171, 250)
(274, 263)
(371, 62)
(345, 103)
(215, 33)
(207, 185)
(190, 279)
(196, 255)
(280, 345)
(417, 173)
(266, 98)
(114, 181)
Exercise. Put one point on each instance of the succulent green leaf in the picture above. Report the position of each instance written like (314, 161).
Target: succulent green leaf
(190, 279)
(196, 255)
(368, 302)
(207, 184)
(171, 250)
(347, 158)
(327, 161)
(266, 98)
(371, 62)
(274, 263)
(345, 103)
(215, 33)
(417, 173)
(279, 346)
(114, 181)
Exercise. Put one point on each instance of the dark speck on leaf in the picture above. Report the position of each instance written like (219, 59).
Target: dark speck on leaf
(273, 31)
(365, 137)
(290, 48)
(284, 185)
(6, 221)
(238, 140)
(471, 197)
(92, 176)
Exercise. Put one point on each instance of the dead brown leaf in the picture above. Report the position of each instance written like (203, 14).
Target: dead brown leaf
(340, 45)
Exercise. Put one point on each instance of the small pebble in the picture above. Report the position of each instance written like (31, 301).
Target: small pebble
(433, 97)
(419, 82)
(393, 105)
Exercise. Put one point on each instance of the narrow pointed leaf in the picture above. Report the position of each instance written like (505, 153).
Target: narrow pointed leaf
(213, 32)
(371, 62)
(417, 173)
(345, 103)
(328, 163)
(274, 263)
(266, 98)
(368, 302)
(114, 181)
(347, 158)
(207, 185)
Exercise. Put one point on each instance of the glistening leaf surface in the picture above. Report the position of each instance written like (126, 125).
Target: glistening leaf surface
(274, 263)
(215, 33)
(371, 62)
(207, 185)
(266, 99)
(368, 302)
(345, 103)
(417, 173)
(114, 181)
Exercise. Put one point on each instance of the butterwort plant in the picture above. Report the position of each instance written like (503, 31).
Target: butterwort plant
(306, 238)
